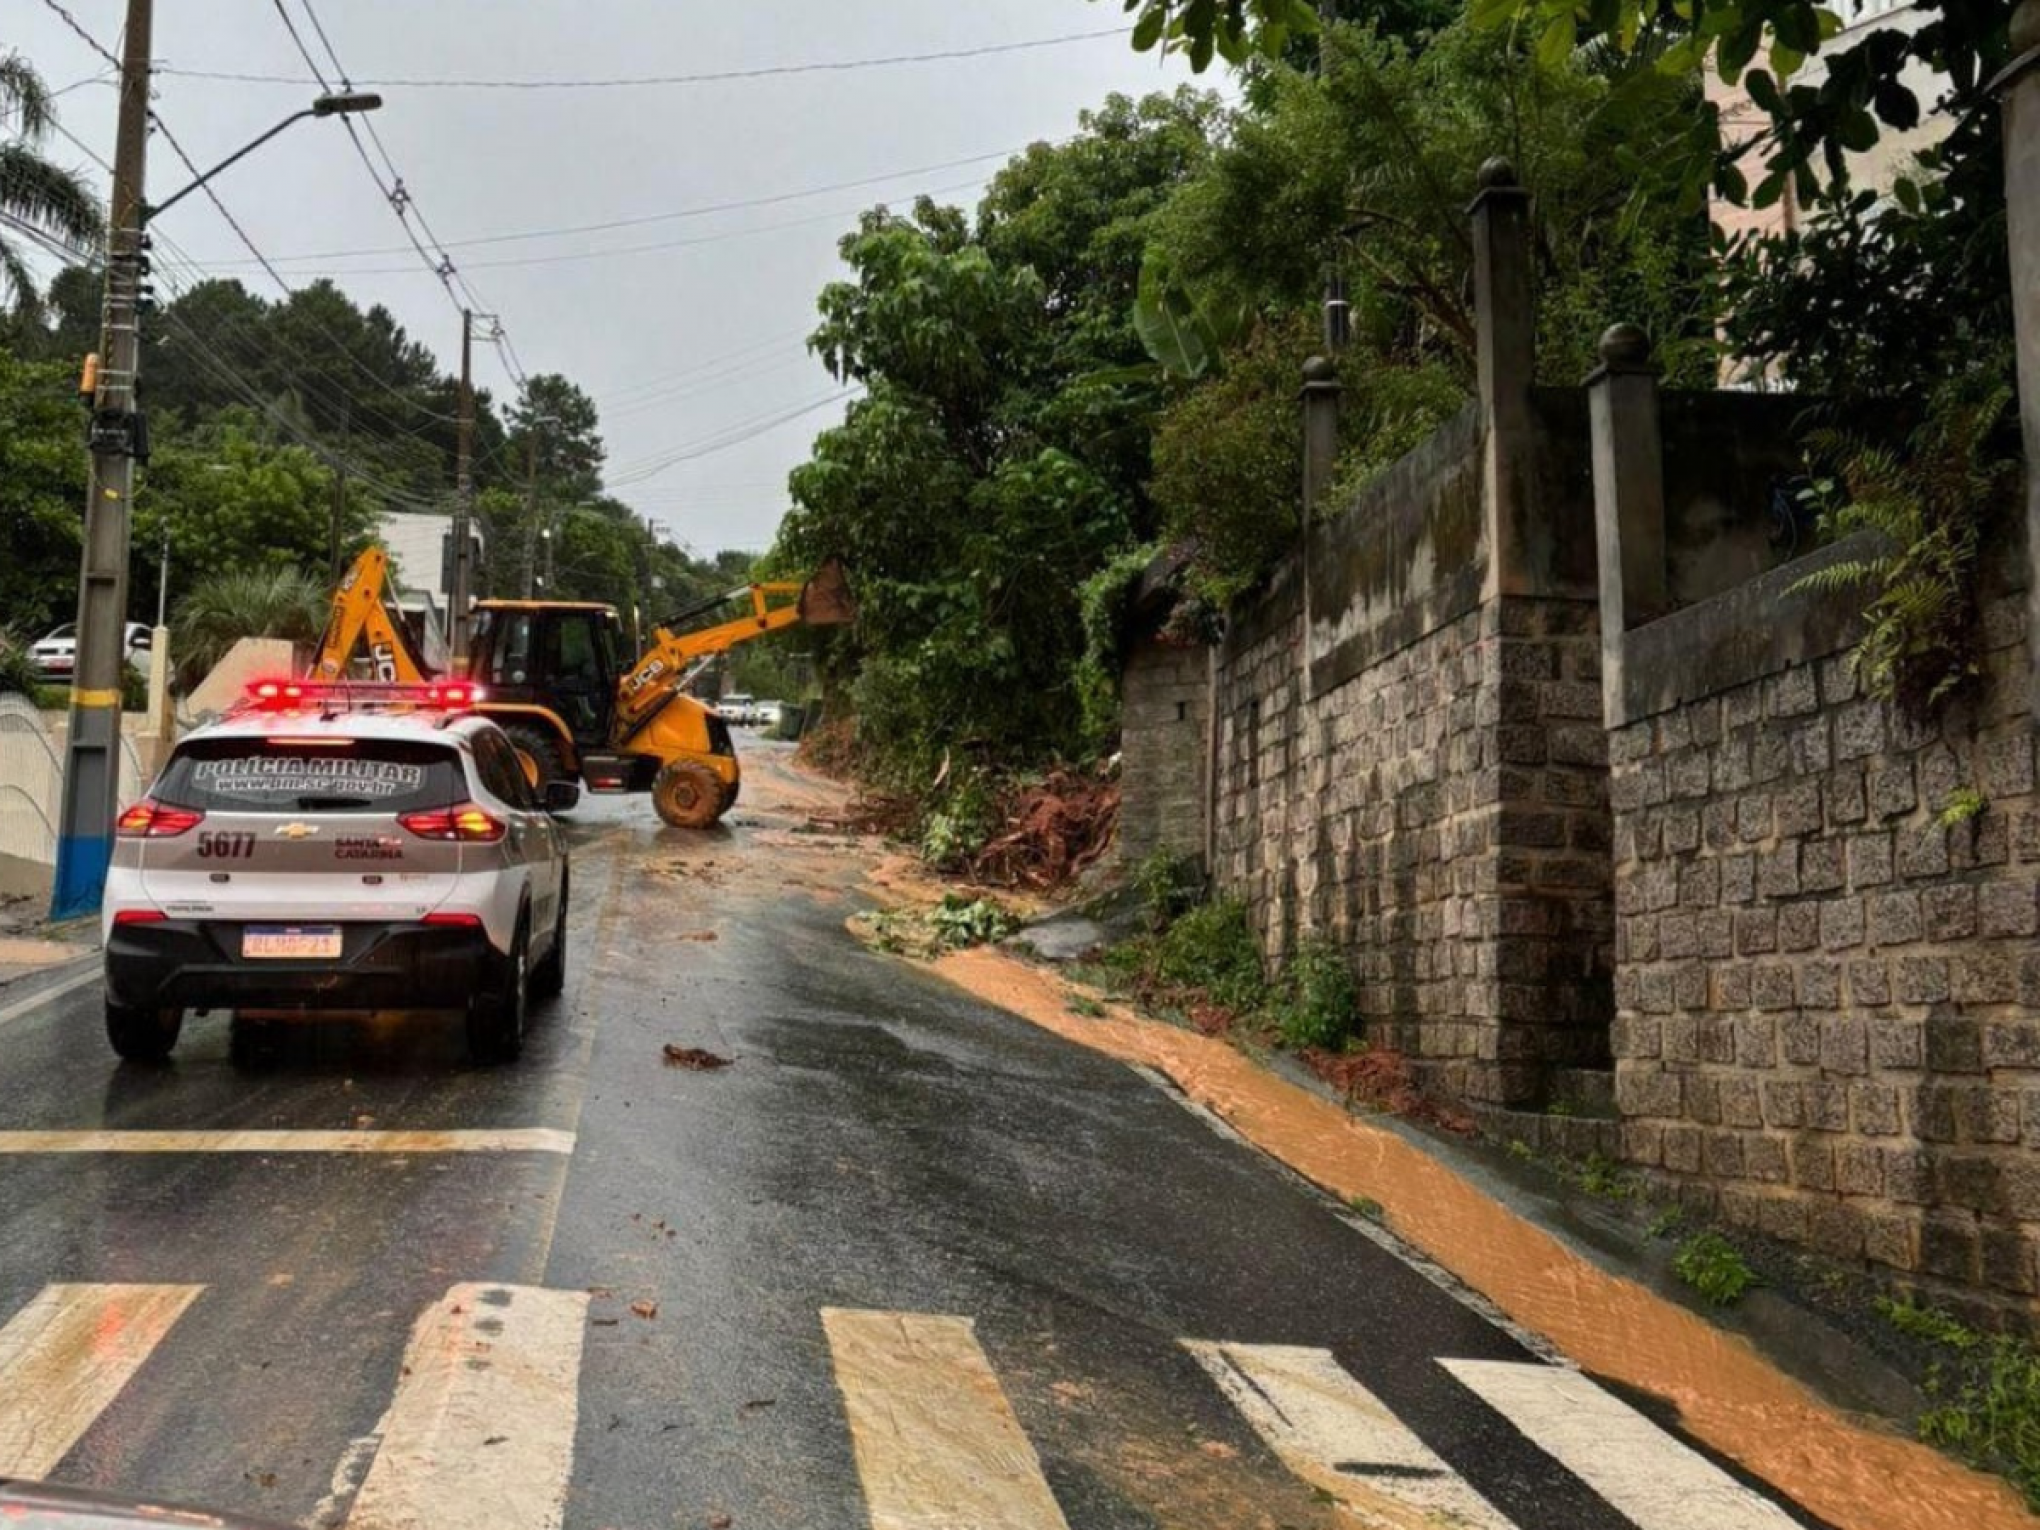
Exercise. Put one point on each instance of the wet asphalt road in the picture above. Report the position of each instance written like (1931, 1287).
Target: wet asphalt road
(879, 1141)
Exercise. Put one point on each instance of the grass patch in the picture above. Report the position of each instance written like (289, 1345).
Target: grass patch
(1520, 1150)
(1710, 1264)
(1083, 1004)
(1365, 1206)
(1928, 1323)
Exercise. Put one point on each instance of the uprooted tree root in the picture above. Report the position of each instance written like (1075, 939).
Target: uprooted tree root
(1049, 831)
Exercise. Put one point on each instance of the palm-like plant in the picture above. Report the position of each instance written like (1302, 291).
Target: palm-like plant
(37, 197)
(225, 607)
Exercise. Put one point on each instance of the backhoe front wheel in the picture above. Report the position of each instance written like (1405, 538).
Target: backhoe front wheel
(538, 751)
(688, 795)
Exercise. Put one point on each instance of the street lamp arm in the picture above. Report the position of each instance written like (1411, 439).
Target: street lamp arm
(325, 106)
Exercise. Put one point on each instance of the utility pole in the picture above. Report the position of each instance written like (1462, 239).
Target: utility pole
(463, 502)
(530, 510)
(340, 485)
(92, 745)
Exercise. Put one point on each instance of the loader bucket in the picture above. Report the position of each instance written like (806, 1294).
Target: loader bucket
(825, 600)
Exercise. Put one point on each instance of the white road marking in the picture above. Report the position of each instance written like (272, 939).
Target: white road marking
(44, 996)
(936, 1441)
(535, 1139)
(1339, 1437)
(1645, 1473)
(480, 1434)
(65, 1356)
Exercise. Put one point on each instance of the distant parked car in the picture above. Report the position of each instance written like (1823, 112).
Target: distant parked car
(55, 654)
(738, 708)
(767, 714)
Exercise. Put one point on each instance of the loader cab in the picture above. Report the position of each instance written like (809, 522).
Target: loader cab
(562, 656)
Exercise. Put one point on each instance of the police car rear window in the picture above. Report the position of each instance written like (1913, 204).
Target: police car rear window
(274, 775)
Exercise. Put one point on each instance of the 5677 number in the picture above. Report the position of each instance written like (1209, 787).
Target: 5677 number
(225, 846)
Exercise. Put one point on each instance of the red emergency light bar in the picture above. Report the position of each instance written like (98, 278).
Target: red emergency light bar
(311, 695)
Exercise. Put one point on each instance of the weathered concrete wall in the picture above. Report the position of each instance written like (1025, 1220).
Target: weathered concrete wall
(1828, 996)
(1165, 719)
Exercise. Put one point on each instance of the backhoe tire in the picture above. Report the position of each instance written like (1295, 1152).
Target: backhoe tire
(538, 751)
(142, 1035)
(688, 795)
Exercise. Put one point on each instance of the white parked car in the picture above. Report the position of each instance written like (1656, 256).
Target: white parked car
(737, 707)
(766, 714)
(298, 856)
(55, 655)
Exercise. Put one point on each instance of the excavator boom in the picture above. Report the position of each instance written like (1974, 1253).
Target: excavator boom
(359, 614)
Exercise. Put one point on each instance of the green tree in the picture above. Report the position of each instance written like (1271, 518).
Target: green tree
(999, 456)
(42, 472)
(37, 193)
(228, 501)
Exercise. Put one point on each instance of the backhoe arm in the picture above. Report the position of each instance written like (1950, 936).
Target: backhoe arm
(358, 614)
(667, 664)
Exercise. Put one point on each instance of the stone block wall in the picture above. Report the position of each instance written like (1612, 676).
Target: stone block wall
(1827, 989)
(1441, 816)
(1165, 749)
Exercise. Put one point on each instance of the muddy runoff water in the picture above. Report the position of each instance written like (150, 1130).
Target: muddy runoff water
(1855, 1475)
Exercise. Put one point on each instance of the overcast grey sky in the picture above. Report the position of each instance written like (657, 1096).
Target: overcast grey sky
(681, 347)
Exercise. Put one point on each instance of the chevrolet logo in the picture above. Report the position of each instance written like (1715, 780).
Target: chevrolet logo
(297, 831)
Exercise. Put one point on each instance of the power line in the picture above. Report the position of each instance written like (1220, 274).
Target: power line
(567, 257)
(702, 211)
(735, 435)
(83, 36)
(769, 71)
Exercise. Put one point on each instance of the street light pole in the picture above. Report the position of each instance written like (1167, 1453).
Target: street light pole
(92, 744)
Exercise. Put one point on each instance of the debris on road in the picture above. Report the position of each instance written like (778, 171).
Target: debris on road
(694, 1058)
(644, 1309)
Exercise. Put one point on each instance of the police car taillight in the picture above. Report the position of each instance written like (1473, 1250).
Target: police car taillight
(150, 819)
(464, 822)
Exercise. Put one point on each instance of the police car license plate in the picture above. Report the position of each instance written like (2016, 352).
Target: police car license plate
(290, 940)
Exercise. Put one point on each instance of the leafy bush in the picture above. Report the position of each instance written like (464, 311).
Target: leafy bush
(1105, 601)
(959, 821)
(1929, 504)
(223, 608)
(1930, 1324)
(1168, 886)
(1213, 947)
(958, 922)
(1710, 1264)
(1315, 1002)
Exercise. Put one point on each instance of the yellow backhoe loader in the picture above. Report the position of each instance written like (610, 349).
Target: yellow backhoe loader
(551, 672)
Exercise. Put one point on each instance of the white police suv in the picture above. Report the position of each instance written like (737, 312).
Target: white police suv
(338, 846)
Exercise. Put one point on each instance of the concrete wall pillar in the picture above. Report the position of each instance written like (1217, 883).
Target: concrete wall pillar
(2020, 88)
(1320, 395)
(1629, 498)
(1505, 320)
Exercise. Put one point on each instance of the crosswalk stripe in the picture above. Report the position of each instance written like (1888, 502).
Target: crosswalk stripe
(1339, 1437)
(1645, 1473)
(531, 1139)
(66, 1355)
(937, 1444)
(480, 1433)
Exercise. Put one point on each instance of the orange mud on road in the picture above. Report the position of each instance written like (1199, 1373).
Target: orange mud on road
(1856, 1476)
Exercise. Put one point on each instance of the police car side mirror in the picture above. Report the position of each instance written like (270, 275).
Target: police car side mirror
(561, 796)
